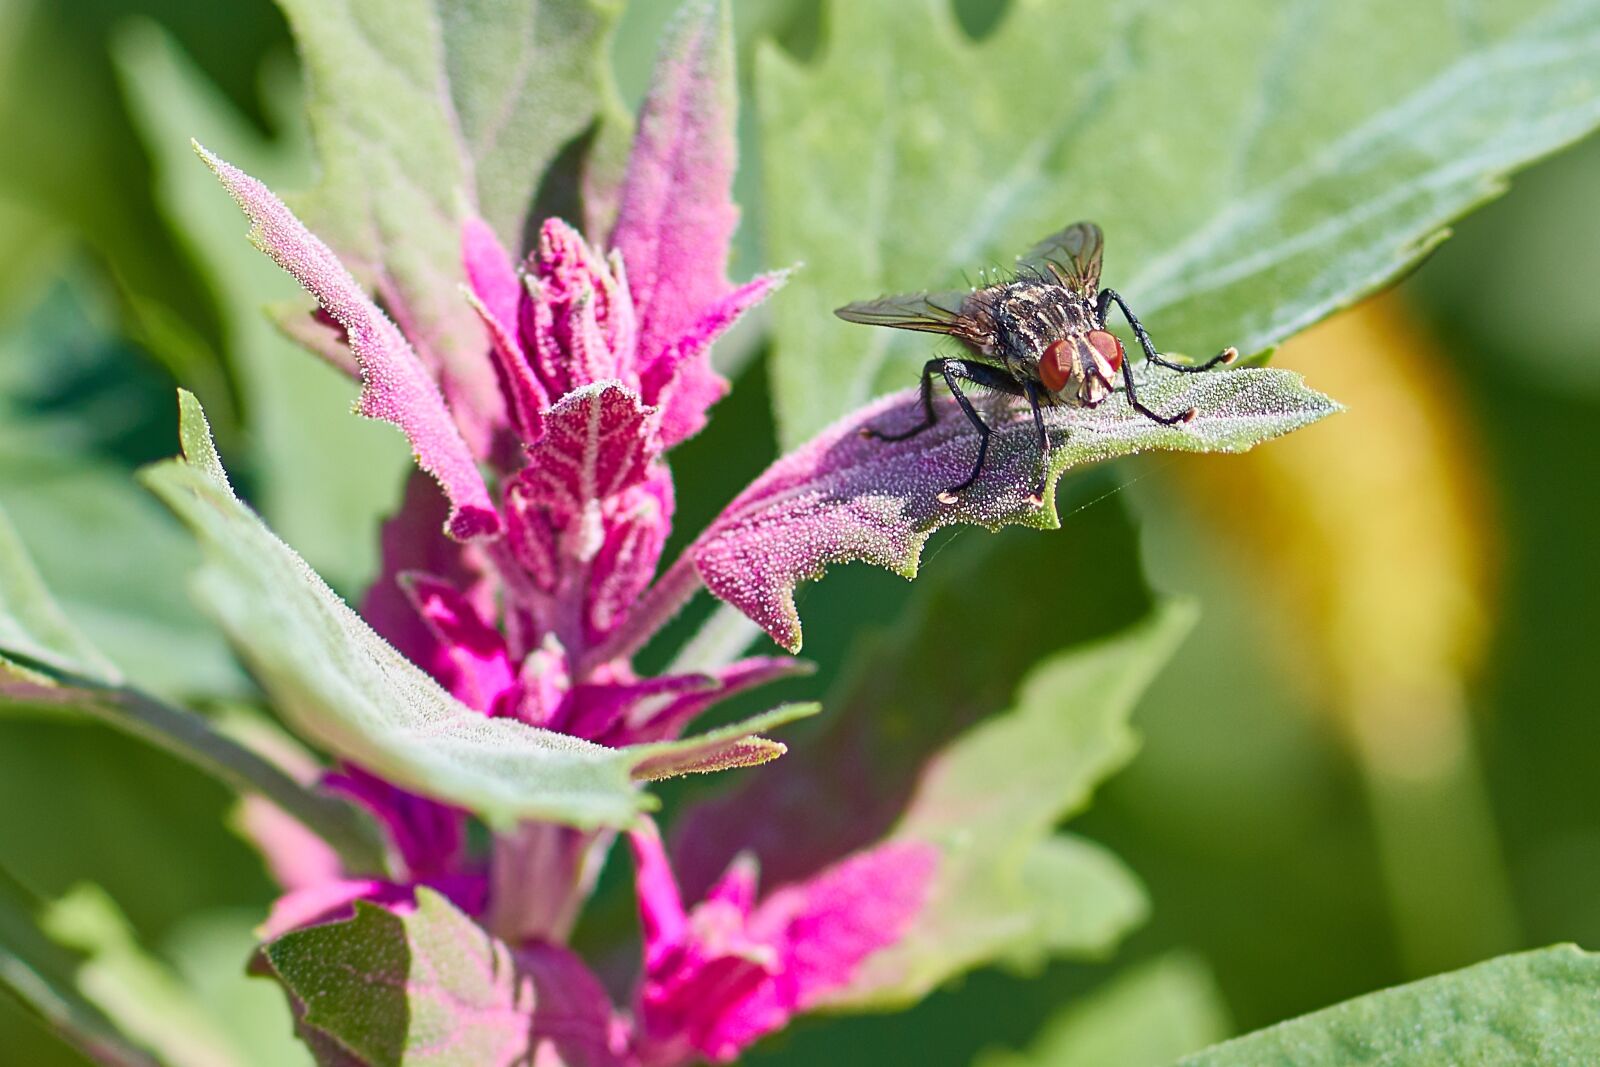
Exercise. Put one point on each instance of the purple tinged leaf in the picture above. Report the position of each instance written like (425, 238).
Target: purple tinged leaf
(495, 293)
(709, 759)
(844, 498)
(396, 386)
(677, 216)
(430, 837)
(599, 711)
(426, 985)
(490, 272)
(673, 718)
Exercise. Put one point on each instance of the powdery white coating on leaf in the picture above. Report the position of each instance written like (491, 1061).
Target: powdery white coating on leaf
(396, 387)
(842, 497)
(340, 685)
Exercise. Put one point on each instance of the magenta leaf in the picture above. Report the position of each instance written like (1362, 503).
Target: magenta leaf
(733, 968)
(396, 387)
(843, 498)
(677, 217)
(598, 441)
(427, 986)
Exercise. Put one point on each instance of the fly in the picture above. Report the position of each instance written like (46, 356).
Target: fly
(1041, 336)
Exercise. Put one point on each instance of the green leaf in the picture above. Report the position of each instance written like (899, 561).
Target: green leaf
(387, 987)
(431, 988)
(1076, 898)
(31, 623)
(71, 396)
(422, 112)
(1533, 1007)
(1255, 165)
(41, 975)
(1147, 1016)
(989, 801)
(297, 406)
(341, 686)
(44, 661)
(140, 992)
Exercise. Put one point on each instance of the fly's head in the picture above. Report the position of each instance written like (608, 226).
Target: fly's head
(1082, 366)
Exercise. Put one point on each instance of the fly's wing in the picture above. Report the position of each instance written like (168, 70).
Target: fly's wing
(1072, 255)
(929, 312)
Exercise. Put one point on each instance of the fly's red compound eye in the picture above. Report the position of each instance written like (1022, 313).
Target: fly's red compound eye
(1055, 366)
(1107, 347)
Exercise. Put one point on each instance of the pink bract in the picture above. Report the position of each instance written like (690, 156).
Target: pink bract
(734, 968)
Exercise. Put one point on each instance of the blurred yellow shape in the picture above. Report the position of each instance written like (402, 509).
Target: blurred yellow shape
(1369, 539)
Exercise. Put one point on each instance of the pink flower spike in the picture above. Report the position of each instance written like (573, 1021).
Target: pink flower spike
(677, 214)
(396, 385)
(480, 671)
(661, 911)
(669, 721)
(731, 970)
(495, 294)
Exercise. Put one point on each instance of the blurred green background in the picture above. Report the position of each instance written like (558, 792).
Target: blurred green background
(1281, 843)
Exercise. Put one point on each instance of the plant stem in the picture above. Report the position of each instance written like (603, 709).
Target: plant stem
(1441, 861)
(192, 738)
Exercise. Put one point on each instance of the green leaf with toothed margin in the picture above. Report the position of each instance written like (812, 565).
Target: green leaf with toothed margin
(423, 112)
(341, 686)
(1255, 165)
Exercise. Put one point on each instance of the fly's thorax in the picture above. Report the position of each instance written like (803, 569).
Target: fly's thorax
(1028, 315)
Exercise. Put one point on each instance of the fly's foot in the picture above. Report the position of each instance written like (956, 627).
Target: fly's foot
(948, 496)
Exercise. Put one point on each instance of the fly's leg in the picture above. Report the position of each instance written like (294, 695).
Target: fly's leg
(1103, 307)
(955, 370)
(928, 415)
(1110, 296)
(1031, 391)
